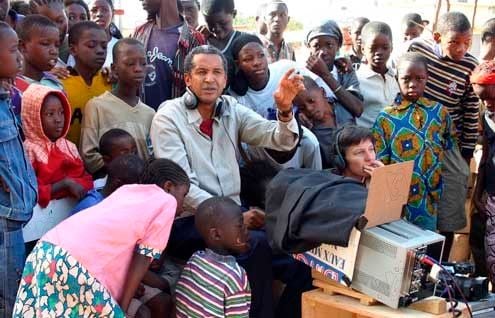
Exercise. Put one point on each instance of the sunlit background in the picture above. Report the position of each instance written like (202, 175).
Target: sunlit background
(306, 12)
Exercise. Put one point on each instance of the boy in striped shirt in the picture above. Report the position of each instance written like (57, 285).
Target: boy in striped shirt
(212, 284)
(449, 68)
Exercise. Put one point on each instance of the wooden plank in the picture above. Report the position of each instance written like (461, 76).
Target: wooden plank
(334, 289)
(318, 304)
(432, 305)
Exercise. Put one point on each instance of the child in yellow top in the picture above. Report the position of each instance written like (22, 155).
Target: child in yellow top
(88, 45)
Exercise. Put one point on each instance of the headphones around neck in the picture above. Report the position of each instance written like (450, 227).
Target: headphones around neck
(338, 158)
(191, 102)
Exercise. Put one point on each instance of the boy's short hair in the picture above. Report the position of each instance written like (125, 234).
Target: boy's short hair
(276, 2)
(159, 171)
(488, 30)
(82, 3)
(209, 7)
(211, 213)
(453, 22)
(127, 168)
(107, 139)
(412, 57)
(309, 83)
(35, 4)
(124, 41)
(359, 21)
(79, 28)
(374, 28)
(31, 22)
(411, 20)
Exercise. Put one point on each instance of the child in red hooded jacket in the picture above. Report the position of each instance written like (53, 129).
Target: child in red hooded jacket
(59, 169)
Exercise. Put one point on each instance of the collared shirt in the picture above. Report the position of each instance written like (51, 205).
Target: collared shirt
(284, 53)
(212, 163)
(378, 91)
(448, 83)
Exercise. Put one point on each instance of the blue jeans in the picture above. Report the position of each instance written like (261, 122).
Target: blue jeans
(12, 258)
(261, 268)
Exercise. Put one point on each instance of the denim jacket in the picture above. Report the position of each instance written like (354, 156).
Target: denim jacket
(15, 169)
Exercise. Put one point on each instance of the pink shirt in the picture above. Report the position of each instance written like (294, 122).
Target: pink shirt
(104, 237)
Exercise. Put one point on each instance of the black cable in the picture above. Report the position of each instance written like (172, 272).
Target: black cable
(455, 313)
(455, 284)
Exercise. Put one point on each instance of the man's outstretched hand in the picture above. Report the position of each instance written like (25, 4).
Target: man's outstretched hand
(290, 85)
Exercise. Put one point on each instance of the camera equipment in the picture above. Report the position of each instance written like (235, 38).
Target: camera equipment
(473, 288)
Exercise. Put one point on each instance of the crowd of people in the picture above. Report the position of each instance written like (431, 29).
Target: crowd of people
(167, 139)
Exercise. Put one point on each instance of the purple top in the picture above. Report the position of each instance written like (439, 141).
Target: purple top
(160, 54)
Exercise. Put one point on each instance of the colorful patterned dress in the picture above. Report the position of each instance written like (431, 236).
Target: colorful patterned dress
(418, 131)
(55, 284)
(80, 267)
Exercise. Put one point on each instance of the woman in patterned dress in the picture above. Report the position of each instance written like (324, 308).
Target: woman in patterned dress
(91, 264)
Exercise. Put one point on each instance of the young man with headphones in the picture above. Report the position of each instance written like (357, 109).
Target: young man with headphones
(200, 131)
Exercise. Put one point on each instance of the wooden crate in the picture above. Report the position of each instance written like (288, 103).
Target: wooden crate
(318, 304)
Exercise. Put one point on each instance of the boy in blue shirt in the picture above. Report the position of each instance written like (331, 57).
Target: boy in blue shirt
(17, 180)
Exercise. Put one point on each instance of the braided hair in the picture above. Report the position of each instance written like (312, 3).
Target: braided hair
(159, 171)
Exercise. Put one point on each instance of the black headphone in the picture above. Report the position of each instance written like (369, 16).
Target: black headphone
(191, 101)
(338, 158)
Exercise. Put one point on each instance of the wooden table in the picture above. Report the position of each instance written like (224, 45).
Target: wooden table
(318, 304)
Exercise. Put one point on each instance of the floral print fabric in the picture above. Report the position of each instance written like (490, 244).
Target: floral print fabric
(418, 131)
(55, 284)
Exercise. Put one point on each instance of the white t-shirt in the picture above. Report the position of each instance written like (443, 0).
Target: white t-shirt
(308, 154)
(262, 101)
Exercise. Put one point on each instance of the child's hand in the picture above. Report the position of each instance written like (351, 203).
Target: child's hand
(343, 64)
(108, 75)
(254, 218)
(290, 85)
(316, 65)
(60, 72)
(305, 121)
(139, 291)
(6, 84)
(75, 189)
(203, 29)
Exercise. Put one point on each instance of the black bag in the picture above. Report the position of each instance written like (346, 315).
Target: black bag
(305, 208)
